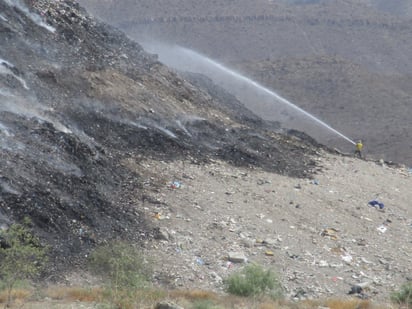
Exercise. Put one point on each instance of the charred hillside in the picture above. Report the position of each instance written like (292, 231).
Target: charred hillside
(322, 55)
(79, 100)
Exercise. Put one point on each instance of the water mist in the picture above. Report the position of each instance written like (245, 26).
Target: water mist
(262, 101)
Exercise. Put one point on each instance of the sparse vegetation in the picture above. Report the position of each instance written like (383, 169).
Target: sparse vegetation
(253, 280)
(21, 257)
(403, 295)
(205, 304)
(124, 269)
(122, 265)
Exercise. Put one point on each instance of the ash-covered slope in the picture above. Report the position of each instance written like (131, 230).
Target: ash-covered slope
(322, 55)
(78, 100)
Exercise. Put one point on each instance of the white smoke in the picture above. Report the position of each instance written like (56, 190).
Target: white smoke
(32, 16)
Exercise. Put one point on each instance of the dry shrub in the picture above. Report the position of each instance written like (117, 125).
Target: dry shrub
(348, 304)
(149, 296)
(193, 294)
(16, 294)
(75, 294)
(84, 294)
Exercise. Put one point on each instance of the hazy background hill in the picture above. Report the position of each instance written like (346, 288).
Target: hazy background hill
(348, 62)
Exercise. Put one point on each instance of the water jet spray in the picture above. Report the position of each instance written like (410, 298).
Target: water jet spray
(185, 59)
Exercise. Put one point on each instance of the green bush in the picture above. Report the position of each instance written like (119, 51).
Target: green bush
(404, 295)
(21, 256)
(253, 280)
(122, 265)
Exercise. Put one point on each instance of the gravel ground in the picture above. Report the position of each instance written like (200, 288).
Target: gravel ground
(319, 234)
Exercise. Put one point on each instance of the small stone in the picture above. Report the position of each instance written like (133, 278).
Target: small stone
(162, 234)
(269, 242)
(248, 243)
(237, 257)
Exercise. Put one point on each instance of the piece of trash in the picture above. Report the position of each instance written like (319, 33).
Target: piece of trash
(376, 204)
(175, 185)
(330, 232)
(366, 261)
(315, 181)
(355, 289)
(323, 263)
(200, 261)
(347, 258)
(269, 253)
(382, 229)
(335, 279)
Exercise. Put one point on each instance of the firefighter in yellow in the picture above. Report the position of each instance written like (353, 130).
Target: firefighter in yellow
(358, 148)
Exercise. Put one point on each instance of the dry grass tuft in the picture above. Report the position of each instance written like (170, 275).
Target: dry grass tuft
(193, 294)
(16, 295)
(75, 294)
(268, 306)
(348, 304)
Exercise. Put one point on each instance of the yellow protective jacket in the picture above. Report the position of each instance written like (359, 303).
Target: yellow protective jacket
(359, 146)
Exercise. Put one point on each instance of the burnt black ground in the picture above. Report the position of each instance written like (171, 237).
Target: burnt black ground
(79, 99)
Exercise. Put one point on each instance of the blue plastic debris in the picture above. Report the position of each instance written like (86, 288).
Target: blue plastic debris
(377, 204)
(175, 185)
(199, 261)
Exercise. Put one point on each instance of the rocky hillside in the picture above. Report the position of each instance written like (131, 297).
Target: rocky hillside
(79, 99)
(100, 141)
(322, 55)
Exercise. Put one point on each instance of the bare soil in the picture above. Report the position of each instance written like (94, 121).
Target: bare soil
(320, 235)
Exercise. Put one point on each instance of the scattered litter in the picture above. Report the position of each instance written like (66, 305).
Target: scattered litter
(367, 219)
(315, 181)
(347, 258)
(330, 232)
(376, 204)
(269, 253)
(382, 228)
(366, 261)
(323, 263)
(175, 185)
(200, 261)
(355, 289)
(335, 279)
